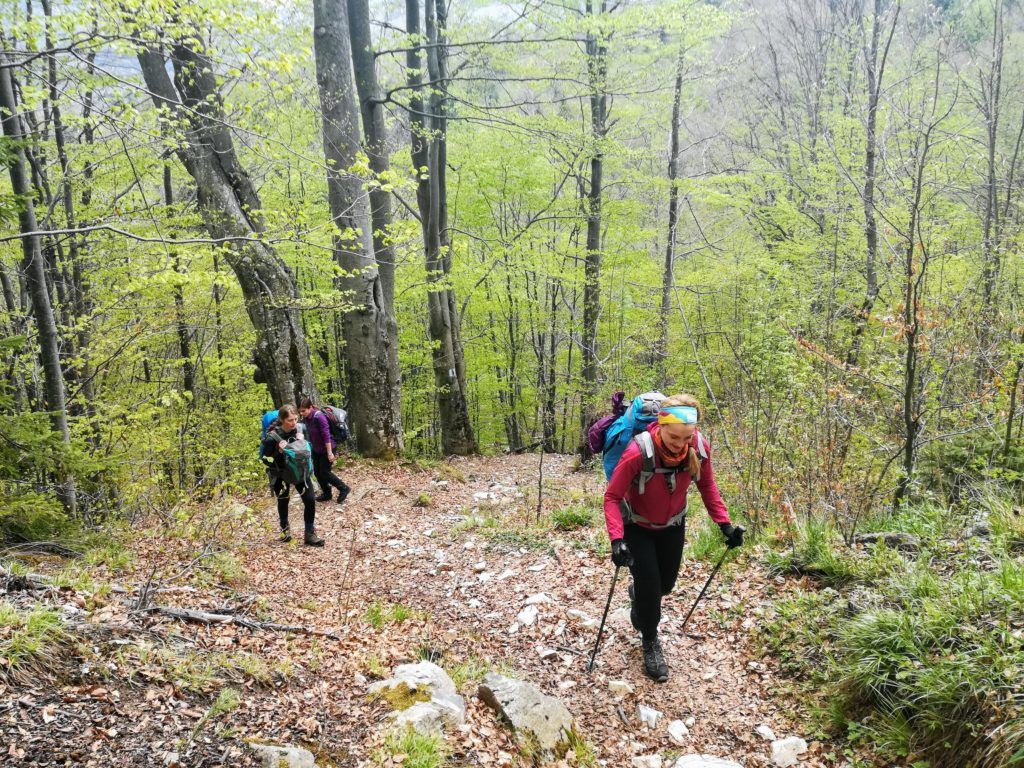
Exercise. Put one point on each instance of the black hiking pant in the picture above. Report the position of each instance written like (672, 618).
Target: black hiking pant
(282, 491)
(656, 559)
(326, 477)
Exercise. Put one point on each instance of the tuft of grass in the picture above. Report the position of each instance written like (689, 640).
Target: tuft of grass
(572, 518)
(814, 553)
(703, 538)
(112, 554)
(378, 614)
(423, 500)
(376, 668)
(585, 755)
(30, 641)
(420, 751)
(451, 473)
(472, 669)
(227, 701)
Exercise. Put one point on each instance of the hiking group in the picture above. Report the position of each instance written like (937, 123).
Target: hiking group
(652, 451)
(293, 461)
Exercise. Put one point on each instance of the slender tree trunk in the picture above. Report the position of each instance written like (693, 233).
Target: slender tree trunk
(49, 342)
(668, 273)
(375, 143)
(377, 421)
(875, 72)
(429, 152)
(231, 211)
(991, 105)
(597, 70)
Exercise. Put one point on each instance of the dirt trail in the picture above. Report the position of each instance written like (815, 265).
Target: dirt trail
(442, 560)
(472, 580)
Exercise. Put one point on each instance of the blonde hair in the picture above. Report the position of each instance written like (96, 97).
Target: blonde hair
(691, 402)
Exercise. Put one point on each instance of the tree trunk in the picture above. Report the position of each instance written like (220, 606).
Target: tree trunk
(597, 69)
(875, 72)
(49, 342)
(374, 406)
(429, 152)
(375, 144)
(668, 273)
(231, 211)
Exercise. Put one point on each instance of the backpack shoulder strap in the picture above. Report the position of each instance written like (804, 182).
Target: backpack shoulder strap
(647, 466)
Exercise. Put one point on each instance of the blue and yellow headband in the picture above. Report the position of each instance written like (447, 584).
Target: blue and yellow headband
(678, 414)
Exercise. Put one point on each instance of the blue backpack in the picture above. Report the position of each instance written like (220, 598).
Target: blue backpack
(641, 413)
(265, 422)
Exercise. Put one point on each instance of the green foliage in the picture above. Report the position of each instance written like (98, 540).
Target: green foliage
(924, 660)
(30, 641)
(472, 669)
(420, 751)
(572, 518)
(379, 614)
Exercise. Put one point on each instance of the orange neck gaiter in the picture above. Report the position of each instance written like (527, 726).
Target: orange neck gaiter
(669, 459)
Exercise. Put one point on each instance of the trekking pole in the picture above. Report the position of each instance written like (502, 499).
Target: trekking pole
(708, 582)
(615, 577)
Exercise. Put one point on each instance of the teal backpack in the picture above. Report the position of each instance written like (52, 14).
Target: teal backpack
(297, 467)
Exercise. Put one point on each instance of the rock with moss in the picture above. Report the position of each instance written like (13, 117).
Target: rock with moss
(424, 695)
(537, 719)
(273, 756)
(906, 542)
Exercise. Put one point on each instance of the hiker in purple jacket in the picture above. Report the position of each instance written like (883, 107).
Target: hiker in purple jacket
(321, 444)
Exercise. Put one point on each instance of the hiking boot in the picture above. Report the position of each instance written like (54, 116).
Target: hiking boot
(323, 497)
(286, 535)
(654, 661)
(343, 494)
(634, 614)
(312, 539)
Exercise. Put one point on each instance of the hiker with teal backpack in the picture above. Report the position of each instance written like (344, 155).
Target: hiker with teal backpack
(652, 452)
(288, 459)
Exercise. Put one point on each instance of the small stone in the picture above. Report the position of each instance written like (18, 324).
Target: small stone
(479, 567)
(537, 567)
(646, 761)
(690, 721)
(565, 685)
(528, 615)
(583, 618)
(537, 599)
(359, 678)
(546, 653)
(704, 761)
(172, 759)
(648, 716)
(765, 732)
(678, 732)
(785, 751)
(620, 687)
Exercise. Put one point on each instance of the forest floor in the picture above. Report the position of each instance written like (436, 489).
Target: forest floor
(421, 562)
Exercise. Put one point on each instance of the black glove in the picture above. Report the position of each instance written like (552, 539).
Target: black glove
(733, 535)
(621, 555)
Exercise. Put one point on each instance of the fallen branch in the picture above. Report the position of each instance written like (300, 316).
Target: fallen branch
(41, 548)
(204, 617)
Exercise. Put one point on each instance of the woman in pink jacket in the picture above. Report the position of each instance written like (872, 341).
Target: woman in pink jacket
(645, 511)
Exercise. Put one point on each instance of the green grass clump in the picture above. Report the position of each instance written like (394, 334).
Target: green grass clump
(572, 518)
(378, 614)
(703, 539)
(925, 657)
(423, 500)
(818, 551)
(471, 669)
(420, 751)
(30, 641)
